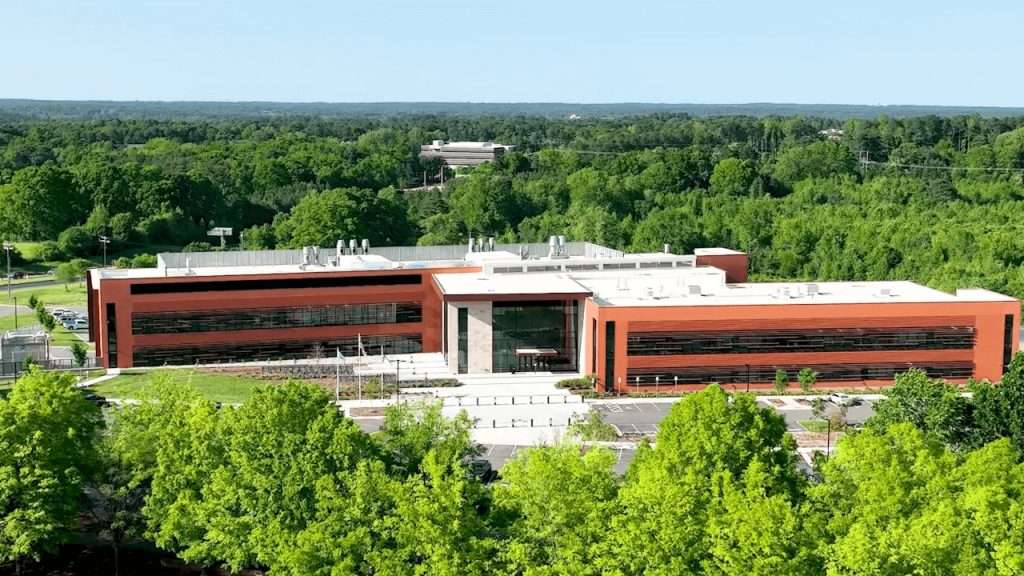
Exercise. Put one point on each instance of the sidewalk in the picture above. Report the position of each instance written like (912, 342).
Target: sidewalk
(110, 375)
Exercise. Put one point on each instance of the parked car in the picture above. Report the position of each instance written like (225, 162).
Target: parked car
(16, 275)
(480, 469)
(79, 324)
(98, 400)
(840, 399)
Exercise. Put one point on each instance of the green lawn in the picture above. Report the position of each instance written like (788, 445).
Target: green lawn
(26, 319)
(819, 426)
(61, 336)
(72, 295)
(215, 387)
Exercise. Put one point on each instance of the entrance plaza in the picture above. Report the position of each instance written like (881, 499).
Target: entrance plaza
(636, 322)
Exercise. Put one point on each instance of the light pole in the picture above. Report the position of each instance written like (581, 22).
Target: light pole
(15, 312)
(7, 248)
(104, 240)
(337, 376)
(398, 381)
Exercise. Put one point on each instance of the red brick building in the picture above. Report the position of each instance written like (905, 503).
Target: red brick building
(635, 321)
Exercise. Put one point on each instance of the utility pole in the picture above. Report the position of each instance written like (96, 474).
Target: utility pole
(7, 248)
(104, 240)
(337, 377)
(398, 382)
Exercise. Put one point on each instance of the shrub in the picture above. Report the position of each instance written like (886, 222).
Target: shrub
(122, 227)
(199, 247)
(75, 241)
(33, 302)
(50, 251)
(781, 381)
(593, 427)
(79, 352)
(807, 378)
(582, 383)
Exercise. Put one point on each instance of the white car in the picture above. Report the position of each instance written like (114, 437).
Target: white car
(840, 399)
(79, 324)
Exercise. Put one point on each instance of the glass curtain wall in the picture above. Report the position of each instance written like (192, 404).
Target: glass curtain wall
(535, 336)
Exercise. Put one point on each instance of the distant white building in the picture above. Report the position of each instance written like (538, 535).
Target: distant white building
(833, 134)
(462, 154)
(18, 346)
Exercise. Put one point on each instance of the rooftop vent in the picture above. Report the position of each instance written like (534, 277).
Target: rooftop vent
(885, 292)
(693, 290)
(812, 290)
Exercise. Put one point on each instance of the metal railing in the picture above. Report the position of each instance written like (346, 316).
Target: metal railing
(15, 369)
(511, 400)
(522, 423)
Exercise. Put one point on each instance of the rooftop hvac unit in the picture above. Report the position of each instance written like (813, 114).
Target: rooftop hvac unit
(561, 245)
(693, 290)
(812, 289)
(490, 244)
(552, 246)
(366, 246)
(352, 246)
(885, 292)
(305, 255)
(315, 255)
(470, 247)
(339, 251)
(666, 249)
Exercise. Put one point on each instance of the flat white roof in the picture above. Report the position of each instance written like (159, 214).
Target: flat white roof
(701, 286)
(462, 284)
(706, 286)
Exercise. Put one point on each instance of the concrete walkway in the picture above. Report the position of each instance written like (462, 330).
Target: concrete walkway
(110, 375)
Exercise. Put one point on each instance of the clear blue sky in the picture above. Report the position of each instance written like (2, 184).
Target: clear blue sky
(703, 51)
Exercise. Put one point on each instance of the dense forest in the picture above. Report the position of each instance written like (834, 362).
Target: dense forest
(931, 486)
(933, 199)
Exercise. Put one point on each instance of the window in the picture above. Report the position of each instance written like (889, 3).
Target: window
(593, 346)
(609, 356)
(463, 340)
(272, 318)
(824, 340)
(111, 336)
(276, 284)
(273, 350)
(1007, 340)
(766, 373)
(548, 326)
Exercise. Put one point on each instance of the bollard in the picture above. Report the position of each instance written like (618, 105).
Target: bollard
(549, 422)
(513, 403)
(477, 400)
(493, 424)
(531, 422)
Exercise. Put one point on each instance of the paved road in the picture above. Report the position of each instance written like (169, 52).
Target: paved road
(497, 455)
(27, 285)
(642, 418)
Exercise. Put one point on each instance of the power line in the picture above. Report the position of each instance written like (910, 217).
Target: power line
(933, 167)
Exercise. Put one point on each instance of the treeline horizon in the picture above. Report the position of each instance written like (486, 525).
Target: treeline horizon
(929, 199)
(90, 109)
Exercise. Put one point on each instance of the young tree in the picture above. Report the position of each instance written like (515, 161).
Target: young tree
(47, 451)
(74, 271)
(80, 353)
(781, 381)
(807, 378)
(817, 408)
